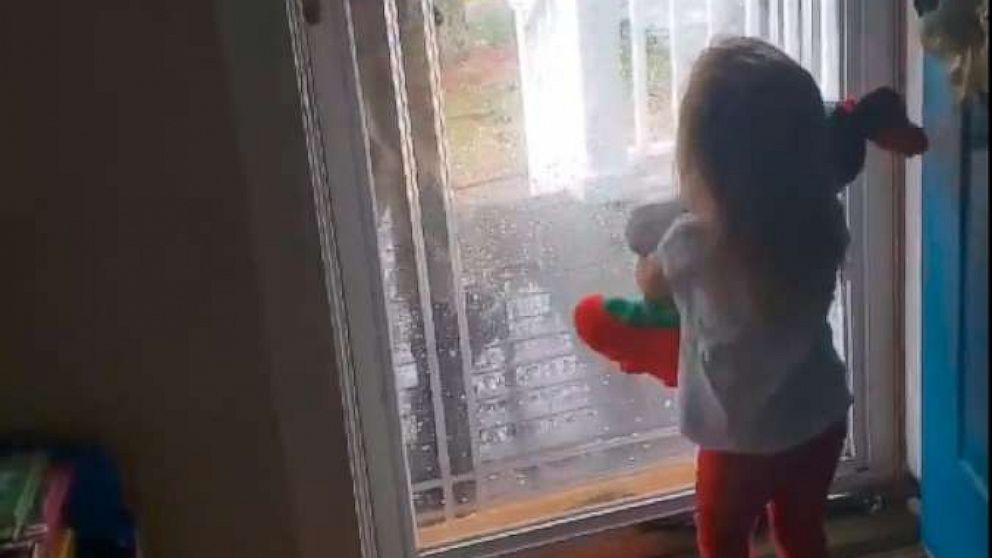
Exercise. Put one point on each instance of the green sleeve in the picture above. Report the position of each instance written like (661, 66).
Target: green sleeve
(643, 313)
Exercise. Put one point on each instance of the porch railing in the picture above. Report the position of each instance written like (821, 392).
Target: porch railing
(576, 102)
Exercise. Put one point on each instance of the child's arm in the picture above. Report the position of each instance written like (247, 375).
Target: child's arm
(651, 279)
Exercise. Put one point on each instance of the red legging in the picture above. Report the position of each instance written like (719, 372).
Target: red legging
(732, 491)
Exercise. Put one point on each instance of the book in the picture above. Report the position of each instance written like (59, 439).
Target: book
(20, 480)
(45, 523)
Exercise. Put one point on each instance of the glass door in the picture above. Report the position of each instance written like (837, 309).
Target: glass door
(508, 141)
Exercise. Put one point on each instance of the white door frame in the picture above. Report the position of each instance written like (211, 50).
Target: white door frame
(325, 56)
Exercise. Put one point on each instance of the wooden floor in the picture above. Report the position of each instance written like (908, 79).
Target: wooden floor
(891, 533)
(908, 552)
(660, 479)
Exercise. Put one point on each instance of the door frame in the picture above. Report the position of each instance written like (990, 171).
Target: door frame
(324, 50)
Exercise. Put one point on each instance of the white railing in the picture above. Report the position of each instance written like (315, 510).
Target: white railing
(808, 30)
(576, 100)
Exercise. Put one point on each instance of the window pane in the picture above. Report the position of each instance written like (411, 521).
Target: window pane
(559, 118)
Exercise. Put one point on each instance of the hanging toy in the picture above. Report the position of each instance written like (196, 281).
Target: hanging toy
(879, 117)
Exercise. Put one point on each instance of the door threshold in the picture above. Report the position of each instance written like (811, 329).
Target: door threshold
(853, 532)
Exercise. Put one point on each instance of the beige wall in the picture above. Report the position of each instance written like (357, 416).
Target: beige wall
(138, 305)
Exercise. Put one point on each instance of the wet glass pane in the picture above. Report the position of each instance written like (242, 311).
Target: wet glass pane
(558, 119)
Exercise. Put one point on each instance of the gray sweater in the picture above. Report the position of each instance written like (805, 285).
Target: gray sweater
(746, 386)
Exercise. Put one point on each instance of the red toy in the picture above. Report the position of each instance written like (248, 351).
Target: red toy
(640, 336)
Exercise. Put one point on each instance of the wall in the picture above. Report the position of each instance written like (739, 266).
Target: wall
(161, 295)
(913, 247)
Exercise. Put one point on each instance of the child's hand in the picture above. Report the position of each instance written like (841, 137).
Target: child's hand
(651, 279)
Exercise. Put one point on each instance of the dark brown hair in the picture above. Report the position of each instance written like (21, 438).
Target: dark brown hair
(753, 133)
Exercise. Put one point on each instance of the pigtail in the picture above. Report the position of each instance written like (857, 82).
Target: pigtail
(880, 116)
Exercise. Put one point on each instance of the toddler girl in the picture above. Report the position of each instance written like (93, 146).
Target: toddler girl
(752, 267)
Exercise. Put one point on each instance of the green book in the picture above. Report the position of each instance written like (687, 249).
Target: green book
(20, 480)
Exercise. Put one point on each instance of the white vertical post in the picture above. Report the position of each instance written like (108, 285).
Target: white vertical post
(774, 24)
(529, 93)
(752, 18)
(597, 41)
(673, 51)
(639, 67)
(790, 16)
(551, 82)
(710, 21)
(810, 44)
(830, 49)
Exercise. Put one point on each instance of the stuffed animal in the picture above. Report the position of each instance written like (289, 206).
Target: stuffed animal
(641, 336)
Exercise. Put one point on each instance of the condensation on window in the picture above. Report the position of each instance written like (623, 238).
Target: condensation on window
(558, 118)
